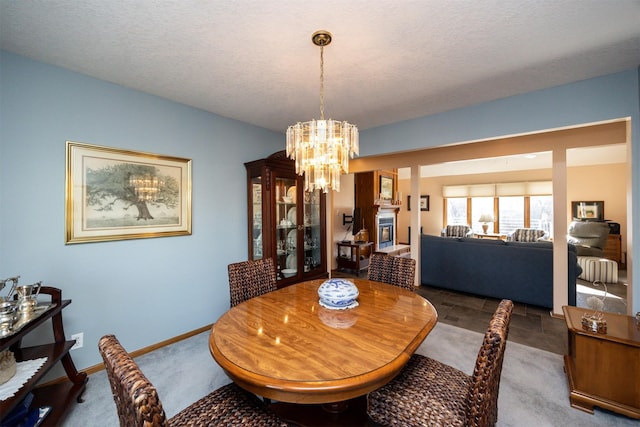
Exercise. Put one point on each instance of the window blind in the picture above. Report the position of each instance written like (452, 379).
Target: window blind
(534, 188)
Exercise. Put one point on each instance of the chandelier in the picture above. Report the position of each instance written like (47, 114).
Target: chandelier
(322, 148)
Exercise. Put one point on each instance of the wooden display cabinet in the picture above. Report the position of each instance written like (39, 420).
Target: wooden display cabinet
(286, 223)
(59, 396)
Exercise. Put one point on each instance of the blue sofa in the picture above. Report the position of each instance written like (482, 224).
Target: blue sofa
(519, 271)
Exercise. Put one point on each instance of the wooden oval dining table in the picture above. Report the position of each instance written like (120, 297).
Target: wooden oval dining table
(285, 346)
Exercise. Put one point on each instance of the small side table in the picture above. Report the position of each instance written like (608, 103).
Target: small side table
(603, 368)
(494, 236)
(354, 255)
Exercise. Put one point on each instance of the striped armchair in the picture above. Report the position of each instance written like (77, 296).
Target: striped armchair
(527, 235)
(457, 231)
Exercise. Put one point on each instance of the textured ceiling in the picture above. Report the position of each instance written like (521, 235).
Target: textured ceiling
(390, 60)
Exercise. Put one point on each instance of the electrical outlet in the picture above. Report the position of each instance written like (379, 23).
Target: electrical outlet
(78, 338)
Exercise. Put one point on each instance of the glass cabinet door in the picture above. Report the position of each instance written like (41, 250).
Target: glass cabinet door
(312, 231)
(255, 212)
(286, 216)
(285, 223)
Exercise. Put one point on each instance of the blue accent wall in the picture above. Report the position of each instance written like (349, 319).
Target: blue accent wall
(608, 97)
(149, 290)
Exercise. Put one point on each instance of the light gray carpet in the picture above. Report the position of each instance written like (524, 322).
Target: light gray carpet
(533, 389)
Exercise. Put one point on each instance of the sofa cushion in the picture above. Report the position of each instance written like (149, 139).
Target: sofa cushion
(472, 240)
(539, 244)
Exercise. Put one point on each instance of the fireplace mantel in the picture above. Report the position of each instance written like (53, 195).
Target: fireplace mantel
(395, 208)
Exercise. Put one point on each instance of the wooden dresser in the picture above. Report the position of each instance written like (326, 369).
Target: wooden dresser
(603, 368)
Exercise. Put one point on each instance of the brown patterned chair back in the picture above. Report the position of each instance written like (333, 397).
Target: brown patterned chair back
(139, 405)
(249, 279)
(397, 271)
(482, 406)
(136, 398)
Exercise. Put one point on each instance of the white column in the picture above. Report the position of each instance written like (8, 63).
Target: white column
(560, 248)
(415, 219)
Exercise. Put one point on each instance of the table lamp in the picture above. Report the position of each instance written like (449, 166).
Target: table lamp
(484, 219)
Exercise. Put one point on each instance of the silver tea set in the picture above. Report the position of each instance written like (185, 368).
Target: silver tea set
(19, 305)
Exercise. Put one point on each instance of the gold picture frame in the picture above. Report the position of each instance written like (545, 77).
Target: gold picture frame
(117, 194)
(588, 210)
(386, 188)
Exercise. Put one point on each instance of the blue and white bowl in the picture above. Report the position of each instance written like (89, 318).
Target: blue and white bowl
(338, 294)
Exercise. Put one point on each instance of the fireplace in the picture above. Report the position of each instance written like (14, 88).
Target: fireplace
(386, 229)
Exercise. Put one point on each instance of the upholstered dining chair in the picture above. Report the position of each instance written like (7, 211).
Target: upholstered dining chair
(249, 279)
(397, 271)
(138, 403)
(430, 393)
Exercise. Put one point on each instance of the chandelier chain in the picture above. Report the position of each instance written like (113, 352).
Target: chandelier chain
(322, 82)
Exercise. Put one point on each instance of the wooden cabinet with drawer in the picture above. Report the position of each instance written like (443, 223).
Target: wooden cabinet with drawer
(613, 249)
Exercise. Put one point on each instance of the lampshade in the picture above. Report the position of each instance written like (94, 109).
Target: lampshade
(322, 148)
(486, 217)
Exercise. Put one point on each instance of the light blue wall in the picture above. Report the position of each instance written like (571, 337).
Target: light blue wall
(604, 98)
(144, 291)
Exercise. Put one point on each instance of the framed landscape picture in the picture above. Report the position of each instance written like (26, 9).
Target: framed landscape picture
(116, 194)
(386, 187)
(588, 211)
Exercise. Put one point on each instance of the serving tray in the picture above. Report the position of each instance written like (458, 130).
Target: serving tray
(22, 321)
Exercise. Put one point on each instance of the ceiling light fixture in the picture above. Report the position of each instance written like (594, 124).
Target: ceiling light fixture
(322, 148)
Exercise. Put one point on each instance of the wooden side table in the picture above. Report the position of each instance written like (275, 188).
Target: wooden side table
(494, 236)
(354, 255)
(603, 369)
